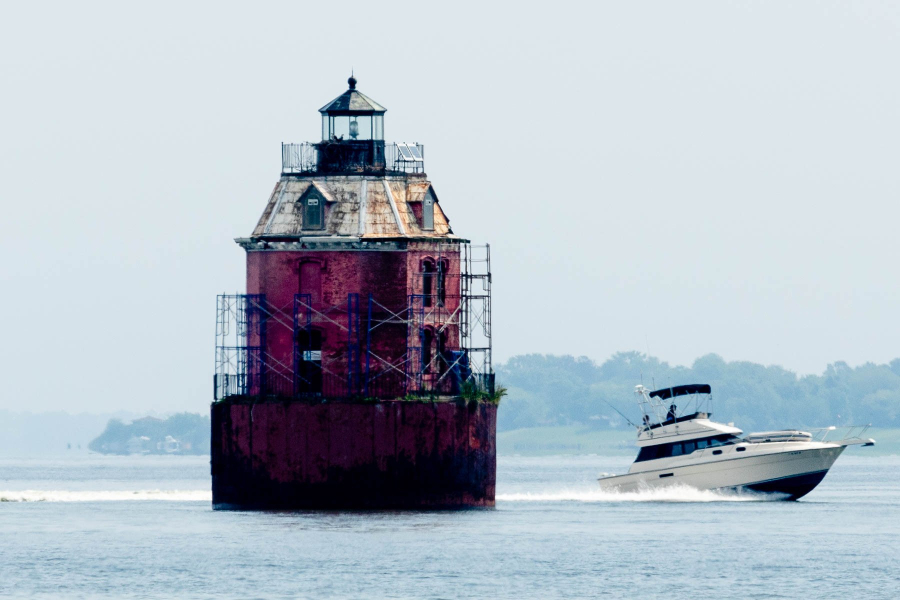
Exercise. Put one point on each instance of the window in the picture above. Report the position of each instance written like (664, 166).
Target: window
(722, 440)
(679, 448)
(741, 449)
(350, 127)
(647, 453)
(312, 212)
(428, 212)
(428, 280)
(378, 127)
(443, 267)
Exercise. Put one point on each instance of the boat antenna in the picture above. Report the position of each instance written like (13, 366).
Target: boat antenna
(620, 414)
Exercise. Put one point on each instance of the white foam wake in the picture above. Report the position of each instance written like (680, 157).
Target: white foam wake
(105, 495)
(675, 493)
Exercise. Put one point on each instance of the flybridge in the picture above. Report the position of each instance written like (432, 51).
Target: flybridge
(654, 407)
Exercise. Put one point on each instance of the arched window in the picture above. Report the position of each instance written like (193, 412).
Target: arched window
(428, 280)
(443, 268)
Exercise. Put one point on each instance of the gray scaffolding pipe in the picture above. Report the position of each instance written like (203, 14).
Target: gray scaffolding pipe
(242, 364)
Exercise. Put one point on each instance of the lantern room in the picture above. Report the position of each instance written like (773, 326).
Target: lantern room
(352, 133)
(352, 116)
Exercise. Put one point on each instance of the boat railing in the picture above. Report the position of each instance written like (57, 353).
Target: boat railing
(851, 433)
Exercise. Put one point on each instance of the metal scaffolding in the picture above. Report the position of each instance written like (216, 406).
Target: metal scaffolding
(475, 329)
(241, 323)
(438, 343)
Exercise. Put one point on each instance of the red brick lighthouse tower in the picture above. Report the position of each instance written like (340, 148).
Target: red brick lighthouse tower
(356, 370)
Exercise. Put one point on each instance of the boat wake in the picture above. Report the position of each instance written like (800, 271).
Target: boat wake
(674, 493)
(105, 495)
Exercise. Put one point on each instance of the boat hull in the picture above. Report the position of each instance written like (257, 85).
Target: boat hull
(789, 472)
(792, 488)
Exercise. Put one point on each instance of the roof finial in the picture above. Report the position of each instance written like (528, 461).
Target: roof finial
(352, 80)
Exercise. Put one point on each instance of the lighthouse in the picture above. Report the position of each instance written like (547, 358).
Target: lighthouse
(355, 372)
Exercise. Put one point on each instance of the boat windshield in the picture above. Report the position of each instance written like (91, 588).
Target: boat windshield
(680, 448)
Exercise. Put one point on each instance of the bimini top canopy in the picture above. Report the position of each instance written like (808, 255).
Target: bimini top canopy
(681, 390)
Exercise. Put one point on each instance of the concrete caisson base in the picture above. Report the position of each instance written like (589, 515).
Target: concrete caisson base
(385, 455)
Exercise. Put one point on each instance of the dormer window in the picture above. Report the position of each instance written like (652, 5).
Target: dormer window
(313, 207)
(428, 212)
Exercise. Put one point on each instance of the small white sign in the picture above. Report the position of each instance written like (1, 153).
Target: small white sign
(312, 355)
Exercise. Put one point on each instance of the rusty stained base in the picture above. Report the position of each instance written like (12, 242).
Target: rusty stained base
(387, 455)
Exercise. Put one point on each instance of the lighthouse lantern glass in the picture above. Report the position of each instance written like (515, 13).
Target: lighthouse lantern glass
(365, 127)
(378, 127)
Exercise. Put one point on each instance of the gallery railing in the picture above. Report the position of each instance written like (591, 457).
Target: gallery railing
(352, 156)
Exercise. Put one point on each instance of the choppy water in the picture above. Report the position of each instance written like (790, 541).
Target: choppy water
(93, 526)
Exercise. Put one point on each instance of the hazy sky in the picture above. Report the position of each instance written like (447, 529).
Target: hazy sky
(673, 177)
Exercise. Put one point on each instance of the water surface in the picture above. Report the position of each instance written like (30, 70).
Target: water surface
(142, 527)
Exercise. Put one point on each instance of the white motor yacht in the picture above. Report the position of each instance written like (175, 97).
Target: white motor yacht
(690, 449)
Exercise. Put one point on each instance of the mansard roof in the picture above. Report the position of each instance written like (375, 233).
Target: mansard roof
(367, 208)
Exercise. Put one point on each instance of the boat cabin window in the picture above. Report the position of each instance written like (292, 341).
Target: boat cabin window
(680, 448)
(723, 440)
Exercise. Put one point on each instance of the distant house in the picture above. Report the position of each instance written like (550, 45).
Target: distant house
(169, 445)
(138, 445)
(179, 434)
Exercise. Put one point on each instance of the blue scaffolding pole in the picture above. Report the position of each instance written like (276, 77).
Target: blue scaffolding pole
(352, 345)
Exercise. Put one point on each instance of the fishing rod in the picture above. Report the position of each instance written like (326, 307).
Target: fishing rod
(620, 414)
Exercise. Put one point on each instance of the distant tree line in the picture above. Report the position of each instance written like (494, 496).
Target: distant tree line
(546, 390)
(183, 433)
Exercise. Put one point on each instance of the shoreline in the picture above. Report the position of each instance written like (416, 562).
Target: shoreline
(578, 440)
